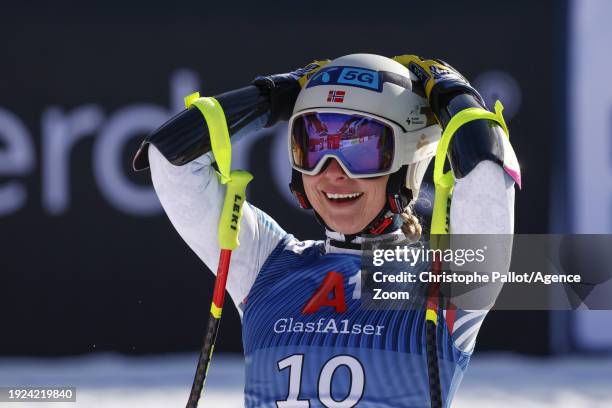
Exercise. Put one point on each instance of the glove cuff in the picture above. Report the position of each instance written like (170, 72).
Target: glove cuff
(450, 97)
(283, 90)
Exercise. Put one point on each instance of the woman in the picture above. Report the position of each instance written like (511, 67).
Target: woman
(361, 137)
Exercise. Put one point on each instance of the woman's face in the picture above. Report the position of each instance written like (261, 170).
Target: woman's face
(347, 205)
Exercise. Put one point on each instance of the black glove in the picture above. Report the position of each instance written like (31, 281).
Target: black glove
(185, 136)
(283, 89)
(449, 93)
(441, 83)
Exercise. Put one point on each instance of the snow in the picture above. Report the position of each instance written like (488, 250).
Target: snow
(112, 381)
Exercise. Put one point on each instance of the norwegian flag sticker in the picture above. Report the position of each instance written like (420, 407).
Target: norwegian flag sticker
(336, 96)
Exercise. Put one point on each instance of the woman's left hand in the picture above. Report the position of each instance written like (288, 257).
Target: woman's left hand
(440, 81)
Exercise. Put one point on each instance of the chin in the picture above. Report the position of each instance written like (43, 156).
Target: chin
(345, 228)
(349, 231)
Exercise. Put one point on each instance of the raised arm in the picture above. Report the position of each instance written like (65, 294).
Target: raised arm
(192, 197)
(178, 154)
(483, 203)
(485, 170)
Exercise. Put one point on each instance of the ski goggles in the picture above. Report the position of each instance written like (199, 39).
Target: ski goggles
(363, 145)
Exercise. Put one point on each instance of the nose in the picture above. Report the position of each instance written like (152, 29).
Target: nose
(333, 170)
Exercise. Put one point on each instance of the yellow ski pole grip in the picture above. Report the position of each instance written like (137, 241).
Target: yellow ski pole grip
(229, 223)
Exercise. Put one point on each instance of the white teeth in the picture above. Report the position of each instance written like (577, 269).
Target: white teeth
(338, 196)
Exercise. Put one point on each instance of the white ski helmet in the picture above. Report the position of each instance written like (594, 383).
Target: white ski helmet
(378, 88)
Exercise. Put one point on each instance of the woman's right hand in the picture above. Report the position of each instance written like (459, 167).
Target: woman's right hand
(269, 99)
(283, 89)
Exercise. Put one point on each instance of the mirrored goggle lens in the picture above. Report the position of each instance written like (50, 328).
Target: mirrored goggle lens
(364, 145)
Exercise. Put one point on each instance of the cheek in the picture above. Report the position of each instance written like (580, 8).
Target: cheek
(309, 183)
(377, 192)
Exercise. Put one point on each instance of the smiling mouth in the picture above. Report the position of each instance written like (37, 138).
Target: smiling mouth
(342, 198)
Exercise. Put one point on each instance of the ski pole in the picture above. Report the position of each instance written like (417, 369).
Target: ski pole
(439, 228)
(444, 183)
(228, 230)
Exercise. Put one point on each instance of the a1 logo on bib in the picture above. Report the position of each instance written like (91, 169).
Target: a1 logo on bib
(330, 293)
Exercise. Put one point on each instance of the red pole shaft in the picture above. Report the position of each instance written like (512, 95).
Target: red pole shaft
(222, 270)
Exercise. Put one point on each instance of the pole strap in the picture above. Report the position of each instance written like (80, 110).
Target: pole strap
(236, 181)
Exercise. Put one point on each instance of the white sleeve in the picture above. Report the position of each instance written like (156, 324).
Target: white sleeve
(482, 203)
(192, 197)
